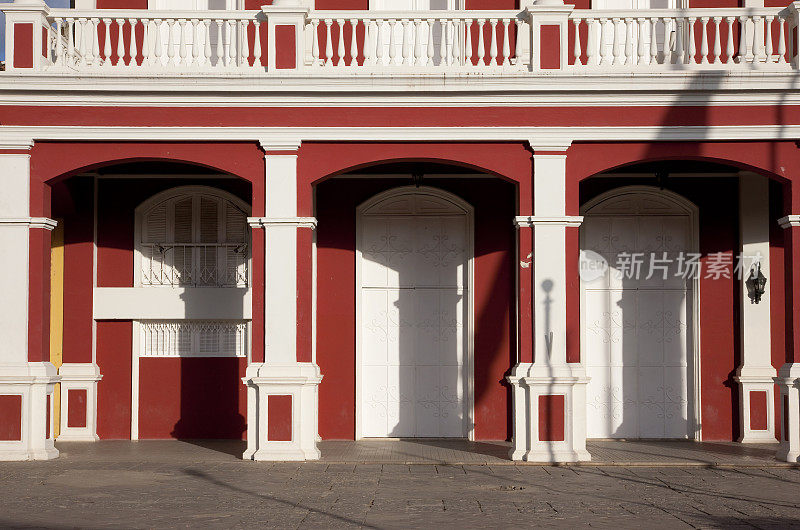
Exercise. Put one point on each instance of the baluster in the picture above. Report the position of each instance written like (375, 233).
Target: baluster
(704, 41)
(120, 41)
(430, 52)
(691, 58)
(506, 44)
(379, 42)
(80, 41)
(95, 40)
(257, 45)
(653, 54)
(481, 43)
(171, 42)
(468, 43)
(158, 47)
(232, 52)
(58, 47)
(615, 47)
(717, 41)
(392, 42)
(443, 43)
(680, 56)
(493, 42)
(768, 37)
(457, 42)
(405, 43)
(340, 44)
(729, 51)
(353, 43)
(315, 42)
(328, 42)
(207, 43)
(781, 41)
(182, 50)
(70, 42)
(518, 61)
(605, 53)
(220, 47)
(742, 56)
(107, 43)
(418, 58)
(195, 43)
(369, 42)
(576, 49)
(244, 49)
(642, 57)
(592, 30)
(758, 44)
(627, 25)
(133, 48)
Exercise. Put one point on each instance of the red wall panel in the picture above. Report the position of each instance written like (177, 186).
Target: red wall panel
(494, 203)
(114, 343)
(192, 398)
(758, 411)
(76, 409)
(551, 418)
(279, 414)
(10, 417)
(23, 45)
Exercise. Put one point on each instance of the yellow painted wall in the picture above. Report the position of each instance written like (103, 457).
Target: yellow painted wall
(57, 313)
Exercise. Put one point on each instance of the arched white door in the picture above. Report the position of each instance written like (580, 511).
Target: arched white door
(638, 326)
(413, 265)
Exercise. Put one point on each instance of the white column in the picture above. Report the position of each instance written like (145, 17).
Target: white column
(755, 375)
(557, 389)
(26, 388)
(281, 384)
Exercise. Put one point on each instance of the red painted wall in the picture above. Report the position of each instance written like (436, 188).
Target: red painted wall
(777, 296)
(10, 417)
(76, 409)
(717, 200)
(192, 398)
(494, 202)
(279, 418)
(114, 343)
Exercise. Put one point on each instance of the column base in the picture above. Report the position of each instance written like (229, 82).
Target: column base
(756, 404)
(281, 412)
(788, 382)
(520, 412)
(552, 428)
(79, 402)
(26, 411)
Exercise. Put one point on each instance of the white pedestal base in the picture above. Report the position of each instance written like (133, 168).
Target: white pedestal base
(300, 381)
(567, 383)
(756, 380)
(35, 383)
(79, 376)
(788, 382)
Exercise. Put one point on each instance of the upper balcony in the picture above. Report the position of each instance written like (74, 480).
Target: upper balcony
(285, 41)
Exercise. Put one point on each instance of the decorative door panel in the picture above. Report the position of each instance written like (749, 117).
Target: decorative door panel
(413, 278)
(637, 329)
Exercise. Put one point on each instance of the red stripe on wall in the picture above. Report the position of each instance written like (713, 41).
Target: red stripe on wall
(10, 417)
(573, 295)
(304, 296)
(279, 422)
(551, 418)
(76, 409)
(525, 282)
(39, 295)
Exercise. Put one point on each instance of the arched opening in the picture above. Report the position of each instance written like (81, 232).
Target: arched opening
(155, 279)
(351, 206)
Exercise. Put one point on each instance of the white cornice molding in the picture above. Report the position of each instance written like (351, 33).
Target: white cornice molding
(33, 222)
(285, 144)
(533, 220)
(790, 221)
(266, 222)
(559, 145)
(277, 135)
(21, 144)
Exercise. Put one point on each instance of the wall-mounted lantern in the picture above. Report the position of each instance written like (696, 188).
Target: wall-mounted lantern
(756, 284)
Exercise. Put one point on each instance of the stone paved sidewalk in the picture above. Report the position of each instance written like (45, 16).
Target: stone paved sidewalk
(170, 483)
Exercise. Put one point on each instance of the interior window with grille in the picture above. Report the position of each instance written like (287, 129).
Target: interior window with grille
(194, 240)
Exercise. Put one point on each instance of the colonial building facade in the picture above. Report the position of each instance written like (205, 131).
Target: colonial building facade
(342, 219)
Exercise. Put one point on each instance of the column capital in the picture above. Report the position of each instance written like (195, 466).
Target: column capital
(299, 222)
(33, 222)
(555, 147)
(789, 221)
(533, 220)
(284, 146)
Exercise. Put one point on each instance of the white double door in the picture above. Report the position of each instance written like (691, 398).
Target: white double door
(413, 332)
(638, 332)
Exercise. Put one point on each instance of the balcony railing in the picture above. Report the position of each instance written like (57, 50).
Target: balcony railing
(146, 42)
(195, 265)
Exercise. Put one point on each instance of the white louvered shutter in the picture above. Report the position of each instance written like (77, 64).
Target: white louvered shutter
(236, 250)
(154, 236)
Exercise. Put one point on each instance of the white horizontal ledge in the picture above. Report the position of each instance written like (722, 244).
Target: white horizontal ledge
(264, 222)
(33, 222)
(168, 303)
(532, 220)
(789, 221)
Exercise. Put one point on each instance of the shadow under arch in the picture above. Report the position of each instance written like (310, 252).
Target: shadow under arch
(627, 317)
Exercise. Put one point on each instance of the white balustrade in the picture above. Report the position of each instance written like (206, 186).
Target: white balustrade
(124, 41)
(663, 39)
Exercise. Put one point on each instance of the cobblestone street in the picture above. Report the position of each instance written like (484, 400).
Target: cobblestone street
(158, 484)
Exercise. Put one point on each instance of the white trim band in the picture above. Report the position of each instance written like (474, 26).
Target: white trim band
(532, 220)
(32, 222)
(789, 221)
(299, 222)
